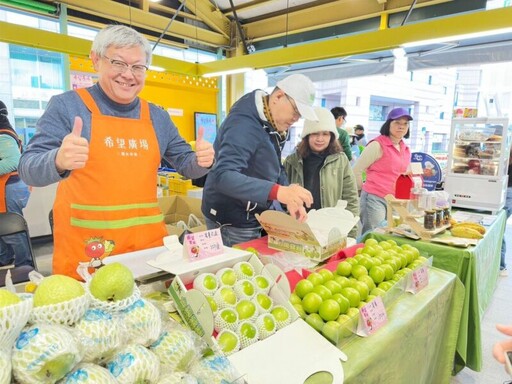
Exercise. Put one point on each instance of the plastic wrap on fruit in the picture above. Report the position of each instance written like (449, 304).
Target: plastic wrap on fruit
(14, 314)
(89, 373)
(45, 353)
(134, 363)
(5, 365)
(214, 369)
(143, 322)
(177, 347)
(100, 333)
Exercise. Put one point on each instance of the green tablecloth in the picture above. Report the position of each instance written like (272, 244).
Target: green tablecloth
(418, 343)
(477, 267)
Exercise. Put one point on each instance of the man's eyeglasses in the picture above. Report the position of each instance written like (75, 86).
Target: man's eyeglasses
(296, 113)
(120, 66)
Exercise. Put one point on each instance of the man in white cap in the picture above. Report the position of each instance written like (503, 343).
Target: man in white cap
(248, 176)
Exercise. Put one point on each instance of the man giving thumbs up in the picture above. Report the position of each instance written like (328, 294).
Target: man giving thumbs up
(104, 145)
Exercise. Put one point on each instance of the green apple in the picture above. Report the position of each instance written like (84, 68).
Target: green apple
(368, 281)
(324, 292)
(315, 321)
(343, 281)
(316, 278)
(329, 310)
(281, 314)
(388, 271)
(311, 302)
(229, 315)
(377, 274)
(266, 325)
(302, 313)
(362, 288)
(244, 270)
(303, 287)
(352, 294)
(333, 286)
(264, 302)
(225, 297)
(228, 341)
(245, 309)
(344, 268)
(248, 333)
(262, 283)
(295, 299)
(112, 282)
(245, 289)
(332, 331)
(359, 270)
(371, 241)
(213, 304)
(226, 276)
(377, 291)
(351, 260)
(342, 302)
(326, 274)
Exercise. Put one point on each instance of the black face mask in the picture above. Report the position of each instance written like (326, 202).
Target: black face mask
(359, 137)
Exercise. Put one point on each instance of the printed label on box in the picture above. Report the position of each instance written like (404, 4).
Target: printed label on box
(372, 316)
(201, 245)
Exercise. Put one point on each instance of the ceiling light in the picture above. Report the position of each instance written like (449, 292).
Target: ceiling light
(228, 72)
(156, 69)
(446, 39)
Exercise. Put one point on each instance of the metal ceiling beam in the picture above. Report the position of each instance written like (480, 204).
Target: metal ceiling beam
(56, 42)
(374, 41)
(326, 15)
(209, 14)
(136, 17)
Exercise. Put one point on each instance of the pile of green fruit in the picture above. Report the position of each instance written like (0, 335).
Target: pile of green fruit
(79, 332)
(330, 301)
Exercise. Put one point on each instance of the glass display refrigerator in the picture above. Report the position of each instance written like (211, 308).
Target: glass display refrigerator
(478, 156)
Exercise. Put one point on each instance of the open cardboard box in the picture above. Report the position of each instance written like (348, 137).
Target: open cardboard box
(324, 233)
(284, 357)
(178, 208)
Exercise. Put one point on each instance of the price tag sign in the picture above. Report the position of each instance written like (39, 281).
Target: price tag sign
(205, 244)
(418, 279)
(371, 317)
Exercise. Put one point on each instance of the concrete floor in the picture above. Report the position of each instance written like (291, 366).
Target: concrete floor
(499, 311)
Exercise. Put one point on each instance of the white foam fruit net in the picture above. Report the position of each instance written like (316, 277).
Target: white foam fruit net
(143, 322)
(65, 313)
(90, 373)
(134, 363)
(12, 320)
(220, 323)
(39, 344)
(176, 349)
(245, 341)
(5, 365)
(100, 334)
(114, 306)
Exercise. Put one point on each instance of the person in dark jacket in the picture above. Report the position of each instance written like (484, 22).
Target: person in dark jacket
(340, 116)
(248, 176)
(14, 193)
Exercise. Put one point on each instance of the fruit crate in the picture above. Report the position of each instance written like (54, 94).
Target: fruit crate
(174, 183)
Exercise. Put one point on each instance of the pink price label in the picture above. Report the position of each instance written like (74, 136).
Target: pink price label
(419, 279)
(373, 316)
(205, 244)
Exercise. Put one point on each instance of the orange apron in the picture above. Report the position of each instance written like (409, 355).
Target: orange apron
(5, 178)
(109, 206)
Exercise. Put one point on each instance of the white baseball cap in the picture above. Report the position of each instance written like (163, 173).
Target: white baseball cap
(325, 122)
(302, 90)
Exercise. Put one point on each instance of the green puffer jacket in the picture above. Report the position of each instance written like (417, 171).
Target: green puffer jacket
(337, 181)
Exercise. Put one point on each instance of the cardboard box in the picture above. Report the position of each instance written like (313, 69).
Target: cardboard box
(284, 357)
(324, 233)
(179, 208)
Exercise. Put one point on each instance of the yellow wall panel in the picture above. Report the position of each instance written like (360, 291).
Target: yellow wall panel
(180, 95)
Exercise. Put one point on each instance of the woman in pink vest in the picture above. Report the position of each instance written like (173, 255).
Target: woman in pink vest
(384, 159)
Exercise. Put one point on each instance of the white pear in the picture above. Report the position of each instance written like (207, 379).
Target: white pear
(134, 364)
(44, 353)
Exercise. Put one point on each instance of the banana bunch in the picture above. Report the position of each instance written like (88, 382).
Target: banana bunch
(468, 230)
